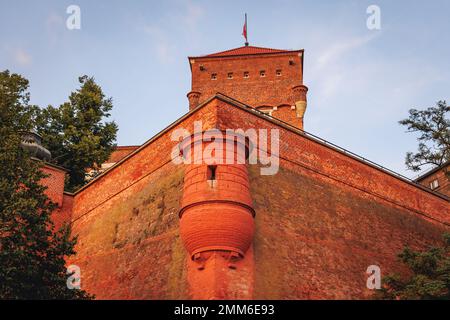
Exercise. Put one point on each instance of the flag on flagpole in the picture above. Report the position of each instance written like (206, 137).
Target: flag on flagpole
(244, 30)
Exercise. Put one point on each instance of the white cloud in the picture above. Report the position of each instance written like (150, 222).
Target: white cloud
(337, 50)
(54, 20)
(193, 14)
(163, 48)
(22, 57)
(185, 20)
(332, 72)
(55, 28)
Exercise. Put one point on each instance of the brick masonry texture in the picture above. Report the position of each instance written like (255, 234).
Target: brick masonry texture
(55, 191)
(319, 222)
(129, 247)
(298, 150)
(315, 238)
(120, 152)
(257, 91)
(127, 226)
(443, 178)
(54, 183)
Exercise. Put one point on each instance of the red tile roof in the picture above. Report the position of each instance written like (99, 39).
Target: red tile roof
(246, 50)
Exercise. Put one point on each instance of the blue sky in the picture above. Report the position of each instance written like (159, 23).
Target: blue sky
(361, 81)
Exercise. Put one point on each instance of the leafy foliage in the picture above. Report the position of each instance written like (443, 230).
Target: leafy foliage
(76, 133)
(430, 277)
(31, 253)
(433, 125)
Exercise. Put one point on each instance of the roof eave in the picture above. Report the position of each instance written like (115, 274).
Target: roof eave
(244, 55)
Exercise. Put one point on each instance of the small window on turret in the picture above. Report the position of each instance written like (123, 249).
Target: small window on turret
(262, 73)
(230, 75)
(246, 74)
(213, 76)
(278, 72)
(211, 173)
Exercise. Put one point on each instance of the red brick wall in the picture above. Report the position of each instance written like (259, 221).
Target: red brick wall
(316, 237)
(54, 183)
(55, 191)
(120, 152)
(271, 90)
(129, 246)
(63, 215)
(325, 217)
(287, 114)
(127, 226)
(443, 179)
(298, 150)
(320, 222)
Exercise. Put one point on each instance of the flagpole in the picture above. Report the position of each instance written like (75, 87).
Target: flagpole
(246, 30)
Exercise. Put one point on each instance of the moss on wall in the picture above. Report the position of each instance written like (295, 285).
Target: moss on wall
(315, 238)
(131, 242)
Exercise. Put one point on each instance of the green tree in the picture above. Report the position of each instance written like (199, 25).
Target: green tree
(433, 126)
(430, 275)
(76, 132)
(32, 254)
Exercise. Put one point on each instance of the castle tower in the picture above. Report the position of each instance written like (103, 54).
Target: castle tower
(269, 80)
(216, 216)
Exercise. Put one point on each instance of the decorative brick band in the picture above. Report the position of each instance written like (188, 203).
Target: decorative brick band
(246, 206)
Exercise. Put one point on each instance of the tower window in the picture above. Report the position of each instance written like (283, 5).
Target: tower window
(278, 72)
(434, 184)
(230, 75)
(246, 74)
(211, 173)
(262, 73)
(213, 76)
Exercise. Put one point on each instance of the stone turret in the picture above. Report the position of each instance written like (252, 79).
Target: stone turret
(193, 97)
(32, 143)
(300, 102)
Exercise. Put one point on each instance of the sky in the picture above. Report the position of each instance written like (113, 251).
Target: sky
(361, 81)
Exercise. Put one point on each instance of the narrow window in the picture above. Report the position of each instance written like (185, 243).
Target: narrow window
(211, 173)
(213, 76)
(230, 75)
(278, 72)
(246, 74)
(262, 73)
(434, 184)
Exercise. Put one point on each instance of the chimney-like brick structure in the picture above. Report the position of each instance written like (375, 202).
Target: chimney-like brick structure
(193, 97)
(299, 94)
(216, 216)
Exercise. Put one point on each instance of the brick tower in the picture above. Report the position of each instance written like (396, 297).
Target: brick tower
(216, 216)
(269, 80)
